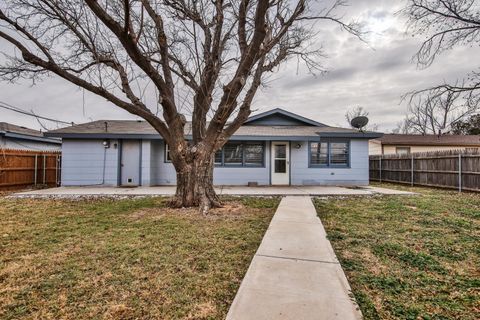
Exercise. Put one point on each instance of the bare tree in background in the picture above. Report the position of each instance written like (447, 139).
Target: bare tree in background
(435, 114)
(204, 58)
(357, 112)
(446, 25)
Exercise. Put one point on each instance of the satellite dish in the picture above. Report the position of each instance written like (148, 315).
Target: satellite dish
(359, 122)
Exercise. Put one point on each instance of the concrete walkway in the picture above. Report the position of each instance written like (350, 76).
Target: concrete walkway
(295, 273)
(65, 192)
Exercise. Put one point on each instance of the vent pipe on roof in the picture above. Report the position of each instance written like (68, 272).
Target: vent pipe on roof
(106, 126)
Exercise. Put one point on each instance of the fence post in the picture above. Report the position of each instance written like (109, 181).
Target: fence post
(44, 169)
(459, 172)
(380, 165)
(36, 169)
(412, 172)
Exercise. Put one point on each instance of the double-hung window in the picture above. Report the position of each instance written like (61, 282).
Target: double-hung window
(329, 153)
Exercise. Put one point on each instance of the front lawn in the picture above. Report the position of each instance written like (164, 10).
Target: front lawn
(409, 257)
(124, 259)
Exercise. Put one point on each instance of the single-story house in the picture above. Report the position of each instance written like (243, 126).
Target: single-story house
(412, 143)
(272, 148)
(22, 138)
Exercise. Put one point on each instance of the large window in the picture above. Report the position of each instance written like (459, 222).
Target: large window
(329, 154)
(236, 154)
(241, 154)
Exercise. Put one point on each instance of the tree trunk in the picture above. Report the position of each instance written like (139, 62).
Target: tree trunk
(195, 185)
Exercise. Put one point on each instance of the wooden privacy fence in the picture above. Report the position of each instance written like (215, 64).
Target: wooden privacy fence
(457, 169)
(19, 169)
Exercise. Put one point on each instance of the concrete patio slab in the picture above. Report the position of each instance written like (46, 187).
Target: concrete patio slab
(65, 192)
(295, 273)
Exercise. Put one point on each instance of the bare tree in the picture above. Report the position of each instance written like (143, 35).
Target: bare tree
(204, 58)
(446, 24)
(435, 114)
(401, 128)
(357, 112)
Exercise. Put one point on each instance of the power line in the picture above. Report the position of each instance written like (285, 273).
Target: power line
(7, 106)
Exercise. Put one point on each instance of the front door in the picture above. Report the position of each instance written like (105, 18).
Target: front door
(130, 163)
(280, 163)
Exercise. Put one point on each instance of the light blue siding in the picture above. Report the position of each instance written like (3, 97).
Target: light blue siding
(83, 164)
(87, 162)
(162, 173)
(356, 174)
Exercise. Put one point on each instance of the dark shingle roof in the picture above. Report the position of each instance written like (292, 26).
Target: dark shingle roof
(8, 127)
(423, 140)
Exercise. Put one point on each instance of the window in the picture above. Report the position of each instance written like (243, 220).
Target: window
(235, 154)
(254, 154)
(329, 154)
(167, 153)
(318, 153)
(241, 154)
(339, 153)
(402, 150)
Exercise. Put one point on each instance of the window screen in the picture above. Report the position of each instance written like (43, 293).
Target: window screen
(254, 154)
(233, 153)
(318, 153)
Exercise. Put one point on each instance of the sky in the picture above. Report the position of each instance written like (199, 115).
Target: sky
(374, 75)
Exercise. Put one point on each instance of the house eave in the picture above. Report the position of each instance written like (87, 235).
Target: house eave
(30, 138)
(350, 135)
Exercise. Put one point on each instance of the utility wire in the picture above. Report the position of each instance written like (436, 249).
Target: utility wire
(7, 106)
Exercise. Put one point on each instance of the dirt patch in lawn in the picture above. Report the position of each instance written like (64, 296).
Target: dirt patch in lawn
(229, 210)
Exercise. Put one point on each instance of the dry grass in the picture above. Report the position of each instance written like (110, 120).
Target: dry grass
(124, 259)
(408, 257)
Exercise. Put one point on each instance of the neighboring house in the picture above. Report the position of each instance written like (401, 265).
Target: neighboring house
(272, 148)
(21, 138)
(411, 143)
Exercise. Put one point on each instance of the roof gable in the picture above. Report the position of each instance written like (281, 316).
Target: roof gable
(280, 117)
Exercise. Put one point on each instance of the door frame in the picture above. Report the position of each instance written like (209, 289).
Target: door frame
(289, 161)
(120, 159)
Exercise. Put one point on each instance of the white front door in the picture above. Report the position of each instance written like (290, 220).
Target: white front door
(280, 163)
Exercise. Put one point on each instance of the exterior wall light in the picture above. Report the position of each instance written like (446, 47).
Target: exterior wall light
(298, 146)
(106, 144)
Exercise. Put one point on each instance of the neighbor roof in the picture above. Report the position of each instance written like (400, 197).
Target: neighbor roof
(142, 129)
(18, 132)
(8, 127)
(426, 140)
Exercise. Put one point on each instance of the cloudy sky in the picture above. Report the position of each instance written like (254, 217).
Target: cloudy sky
(373, 75)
